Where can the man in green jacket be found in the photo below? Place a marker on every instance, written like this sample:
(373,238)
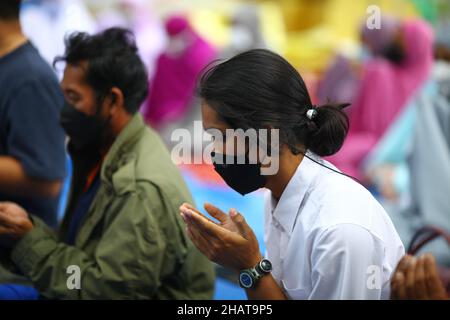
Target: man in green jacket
(121,237)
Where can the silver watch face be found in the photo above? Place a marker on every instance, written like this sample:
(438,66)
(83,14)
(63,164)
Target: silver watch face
(265,265)
(245,280)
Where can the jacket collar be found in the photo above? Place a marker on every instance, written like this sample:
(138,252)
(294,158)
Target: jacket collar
(118,167)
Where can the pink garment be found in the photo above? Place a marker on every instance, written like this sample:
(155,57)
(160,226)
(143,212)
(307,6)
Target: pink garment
(339,83)
(385,90)
(172,88)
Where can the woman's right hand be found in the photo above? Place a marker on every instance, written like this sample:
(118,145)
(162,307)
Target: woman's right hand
(229,242)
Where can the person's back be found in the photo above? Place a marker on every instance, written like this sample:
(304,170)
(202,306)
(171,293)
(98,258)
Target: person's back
(387,85)
(32,150)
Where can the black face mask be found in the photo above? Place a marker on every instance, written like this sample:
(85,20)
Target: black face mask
(394,52)
(242,177)
(86,133)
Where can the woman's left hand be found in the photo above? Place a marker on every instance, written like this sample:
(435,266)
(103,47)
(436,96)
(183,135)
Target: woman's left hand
(230,243)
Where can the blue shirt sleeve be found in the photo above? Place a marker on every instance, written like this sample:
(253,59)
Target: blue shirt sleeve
(34,135)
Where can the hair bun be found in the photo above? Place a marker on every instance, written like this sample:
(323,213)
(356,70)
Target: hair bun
(331,126)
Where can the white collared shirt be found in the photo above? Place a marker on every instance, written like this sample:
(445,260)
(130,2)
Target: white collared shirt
(328,238)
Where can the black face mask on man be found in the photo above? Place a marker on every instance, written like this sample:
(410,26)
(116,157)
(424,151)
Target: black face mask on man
(238,173)
(86,133)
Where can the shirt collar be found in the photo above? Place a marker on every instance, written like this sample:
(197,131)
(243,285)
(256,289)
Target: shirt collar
(285,212)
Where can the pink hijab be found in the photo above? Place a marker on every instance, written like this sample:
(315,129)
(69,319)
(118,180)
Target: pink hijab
(172,88)
(385,90)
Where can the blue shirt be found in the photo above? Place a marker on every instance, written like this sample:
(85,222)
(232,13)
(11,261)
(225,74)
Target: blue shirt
(81,209)
(30,102)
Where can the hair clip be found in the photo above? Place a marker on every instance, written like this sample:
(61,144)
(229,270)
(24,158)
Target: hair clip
(311,113)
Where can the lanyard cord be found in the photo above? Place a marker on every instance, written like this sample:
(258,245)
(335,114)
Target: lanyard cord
(341,173)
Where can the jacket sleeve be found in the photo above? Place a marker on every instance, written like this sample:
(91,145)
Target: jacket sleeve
(126,263)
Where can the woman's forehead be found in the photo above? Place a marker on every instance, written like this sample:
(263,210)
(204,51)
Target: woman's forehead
(211,119)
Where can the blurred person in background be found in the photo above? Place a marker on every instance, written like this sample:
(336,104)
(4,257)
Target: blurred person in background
(121,228)
(171,89)
(245,31)
(32,149)
(388,83)
(410,166)
(46,22)
(341,80)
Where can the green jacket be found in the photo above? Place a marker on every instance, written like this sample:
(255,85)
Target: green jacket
(132,243)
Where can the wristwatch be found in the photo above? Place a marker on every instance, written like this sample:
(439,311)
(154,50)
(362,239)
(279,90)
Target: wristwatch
(249,277)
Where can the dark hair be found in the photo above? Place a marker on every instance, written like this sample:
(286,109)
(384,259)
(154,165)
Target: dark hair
(259,89)
(9,9)
(113,61)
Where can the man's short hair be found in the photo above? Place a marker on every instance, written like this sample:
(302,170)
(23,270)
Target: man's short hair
(112,61)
